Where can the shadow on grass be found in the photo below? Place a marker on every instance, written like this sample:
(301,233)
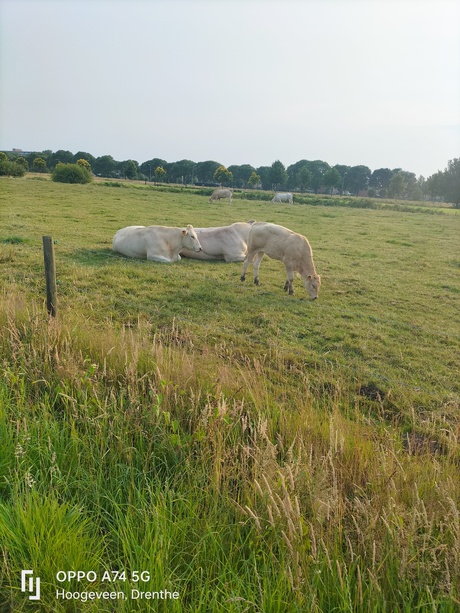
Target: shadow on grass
(95,257)
(103,257)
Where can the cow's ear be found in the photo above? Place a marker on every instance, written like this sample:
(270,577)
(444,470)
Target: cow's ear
(309,277)
(184,232)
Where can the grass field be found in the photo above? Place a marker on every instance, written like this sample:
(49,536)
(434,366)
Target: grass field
(250,450)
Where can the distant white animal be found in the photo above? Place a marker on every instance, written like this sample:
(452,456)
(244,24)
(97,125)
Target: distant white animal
(155,243)
(217,194)
(287,246)
(227,243)
(283,198)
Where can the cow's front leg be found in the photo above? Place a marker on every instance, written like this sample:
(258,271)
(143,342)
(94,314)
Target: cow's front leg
(288,285)
(154,257)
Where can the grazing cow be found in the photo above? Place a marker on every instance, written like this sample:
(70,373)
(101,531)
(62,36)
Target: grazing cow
(155,243)
(283,198)
(217,194)
(287,246)
(227,243)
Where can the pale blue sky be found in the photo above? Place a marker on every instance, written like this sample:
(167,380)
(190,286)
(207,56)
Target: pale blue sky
(374,82)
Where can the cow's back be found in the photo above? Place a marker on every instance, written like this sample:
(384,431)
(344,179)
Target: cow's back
(266,237)
(130,241)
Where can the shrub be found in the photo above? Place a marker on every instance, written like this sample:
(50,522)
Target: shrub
(11,169)
(71,173)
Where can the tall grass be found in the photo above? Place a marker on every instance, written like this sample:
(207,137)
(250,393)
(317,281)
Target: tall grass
(250,452)
(120,453)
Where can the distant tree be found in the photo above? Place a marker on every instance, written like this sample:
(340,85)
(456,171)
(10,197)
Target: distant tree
(264,174)
(82,155)
(332,179)
(416,191)
(65,157)
(304,177)
(39,165)
(278,175)
(293,173)
(254,180)
(342,169)
(223,176)
(433,185)
(130,169)
(180,172)
(318,169)
(410,181)
(241,174)
(84,164)
(380,180)
(343,172)
(104,166)
(3,157)
(159,174)
(446,184)
(204,171)
(70,173)
(397,185)
(452,182)
(22,162)
(147,168)
(358,178)
(30,157)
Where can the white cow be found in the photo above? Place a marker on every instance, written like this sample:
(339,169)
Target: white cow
(217,194)
(283,198)
(227,243)
(155,243)
(287,246)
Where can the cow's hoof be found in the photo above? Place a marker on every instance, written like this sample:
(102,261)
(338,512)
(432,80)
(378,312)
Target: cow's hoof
(256,281)
(243,277)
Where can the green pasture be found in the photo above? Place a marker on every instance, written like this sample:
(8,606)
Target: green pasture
(252,450)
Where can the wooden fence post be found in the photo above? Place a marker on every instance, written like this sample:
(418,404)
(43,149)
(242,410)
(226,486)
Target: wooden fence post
(50,275)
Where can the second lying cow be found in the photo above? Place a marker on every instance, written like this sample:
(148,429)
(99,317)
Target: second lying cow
(227,243)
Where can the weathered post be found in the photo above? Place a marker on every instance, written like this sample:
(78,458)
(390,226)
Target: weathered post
(50,275)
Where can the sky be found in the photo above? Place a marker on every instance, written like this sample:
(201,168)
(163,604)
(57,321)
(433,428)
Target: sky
(372,82)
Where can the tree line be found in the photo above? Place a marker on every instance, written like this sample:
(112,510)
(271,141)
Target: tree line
(304,176)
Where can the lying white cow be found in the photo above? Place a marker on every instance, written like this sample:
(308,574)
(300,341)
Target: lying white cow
(287,246)
(283,198)
(227,243)
(217,194)
(155,243)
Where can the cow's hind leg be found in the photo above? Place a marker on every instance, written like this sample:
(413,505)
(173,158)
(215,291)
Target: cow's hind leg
(257,261)
(248,259)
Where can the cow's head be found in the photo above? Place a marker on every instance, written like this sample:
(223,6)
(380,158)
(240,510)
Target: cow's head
(312,284)
(190,239)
